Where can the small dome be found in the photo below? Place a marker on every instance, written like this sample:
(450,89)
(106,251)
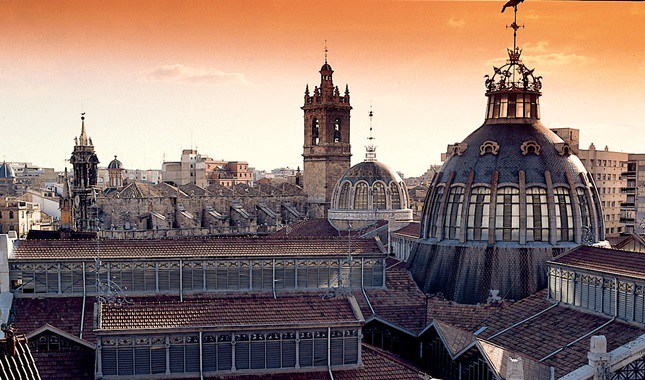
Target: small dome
(115,164)
(367,192)
(327,68)
(6,171)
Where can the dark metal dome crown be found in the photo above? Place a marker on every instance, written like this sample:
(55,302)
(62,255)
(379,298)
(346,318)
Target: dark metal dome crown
(513,76)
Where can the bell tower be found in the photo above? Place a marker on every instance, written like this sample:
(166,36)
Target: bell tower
(326,150)
(85,164)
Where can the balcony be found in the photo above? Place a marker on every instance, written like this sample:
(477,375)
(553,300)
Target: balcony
(627,204)
(628,173)
(627,220)
(628,189)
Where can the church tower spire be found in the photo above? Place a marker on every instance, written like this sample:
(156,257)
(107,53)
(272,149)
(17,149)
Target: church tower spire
(85,165)
(326,150)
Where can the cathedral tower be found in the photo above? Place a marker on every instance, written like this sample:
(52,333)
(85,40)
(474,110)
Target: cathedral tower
(84,162)
(327,151)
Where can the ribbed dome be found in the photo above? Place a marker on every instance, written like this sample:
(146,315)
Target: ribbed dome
(510,197)
(6,171)
(115,164)
(367,192)
(370,172)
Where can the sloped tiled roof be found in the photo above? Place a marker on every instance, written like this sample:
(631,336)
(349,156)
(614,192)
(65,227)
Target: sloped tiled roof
(455,338)
(66,365)
(612,261)
(193,190)
(191,247)
(21,365)
(322,227)
(411,230)
(532,327)
(556,328)
(63,313)
(236,310)
(498,358)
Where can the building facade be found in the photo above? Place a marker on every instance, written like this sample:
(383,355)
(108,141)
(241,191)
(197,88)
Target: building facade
(22,216)
(632,209)
(200,170)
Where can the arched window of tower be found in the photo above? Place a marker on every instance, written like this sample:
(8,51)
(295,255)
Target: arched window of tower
(337,130)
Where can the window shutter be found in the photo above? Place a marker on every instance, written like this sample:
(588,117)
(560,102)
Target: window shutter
(108,359)
(142,360)
(177,358)
(125,361)
(158,359)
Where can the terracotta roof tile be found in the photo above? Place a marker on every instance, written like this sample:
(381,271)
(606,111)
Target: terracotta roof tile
(61,312)
(322,228)
(558,327)
(19,366)
(613,261)
(191,247)
(412,230)
(65,365)
(238,310)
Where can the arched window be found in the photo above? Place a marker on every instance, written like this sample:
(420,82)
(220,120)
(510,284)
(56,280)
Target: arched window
(507,214)
(587,227)
(434,212)
(563,214)
(343,197)
(360,197)
(537,215)
(478,213)
(315,129)
(10,214)
(396,197)
(337,130)
(452,225)
(378,196)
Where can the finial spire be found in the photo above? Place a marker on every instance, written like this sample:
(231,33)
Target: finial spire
(83,139)
(326,51)
(514,26)
(370,154)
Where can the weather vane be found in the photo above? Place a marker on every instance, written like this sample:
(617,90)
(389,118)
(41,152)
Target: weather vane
(514,26)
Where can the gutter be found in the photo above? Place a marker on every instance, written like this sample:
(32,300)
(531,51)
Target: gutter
(331,375)
(80,334)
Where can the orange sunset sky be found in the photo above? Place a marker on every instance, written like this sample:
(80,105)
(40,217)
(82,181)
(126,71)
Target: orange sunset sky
(232,74)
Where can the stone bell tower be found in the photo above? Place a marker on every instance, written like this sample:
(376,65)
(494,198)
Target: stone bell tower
(85,164)
(327,151)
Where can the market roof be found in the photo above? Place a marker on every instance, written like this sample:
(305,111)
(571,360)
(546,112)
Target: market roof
(205,247)
(242,310)
(611,261)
